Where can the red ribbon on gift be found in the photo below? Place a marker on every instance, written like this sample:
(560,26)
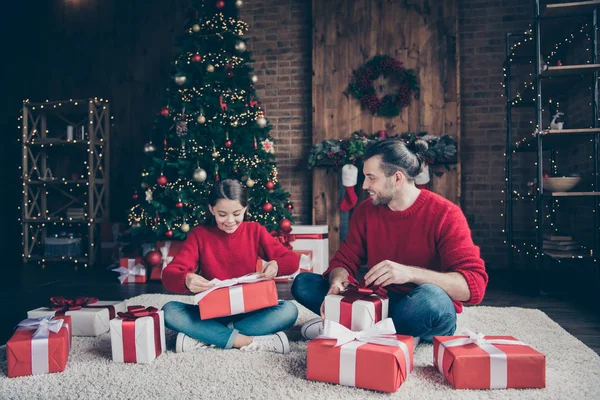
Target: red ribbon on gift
(359,291)
(61,305)
(286,238)
(129,317)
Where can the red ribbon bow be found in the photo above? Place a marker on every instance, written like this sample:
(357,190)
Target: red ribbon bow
(362,289)
(283,238)
(60,303)
(135,312)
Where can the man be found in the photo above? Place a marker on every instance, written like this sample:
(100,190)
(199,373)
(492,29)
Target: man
(414,242)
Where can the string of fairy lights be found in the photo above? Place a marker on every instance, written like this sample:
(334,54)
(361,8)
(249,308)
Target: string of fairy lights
(39,215)
(218,25)
(528,142)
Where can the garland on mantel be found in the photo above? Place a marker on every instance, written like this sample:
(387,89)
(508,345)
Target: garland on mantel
(338,152)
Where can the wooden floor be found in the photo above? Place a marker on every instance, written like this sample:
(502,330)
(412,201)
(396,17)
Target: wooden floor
(36,285)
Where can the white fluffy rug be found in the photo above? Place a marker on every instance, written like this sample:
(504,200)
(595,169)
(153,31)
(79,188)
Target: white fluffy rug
(572,368)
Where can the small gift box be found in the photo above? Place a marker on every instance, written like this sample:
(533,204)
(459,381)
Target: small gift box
(312,238)
(39,346)
(375,358)
(138,335)
(131,270)
(476,361)
(168,249)
(89,316)
(358,307)
(236,296)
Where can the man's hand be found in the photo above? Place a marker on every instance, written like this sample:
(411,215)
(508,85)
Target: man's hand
(269,270)
(389,273)
(337,285)
(196,284)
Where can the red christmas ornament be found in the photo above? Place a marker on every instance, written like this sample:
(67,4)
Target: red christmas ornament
(216,177)
(235,171)
(285,225)
(153,258)
(289,206)
(270,185)
(135,196)
(179,204)
(228,143)
(164,111)
(196,58)
(267,207)
(162,180)
(169,233)
(220,4)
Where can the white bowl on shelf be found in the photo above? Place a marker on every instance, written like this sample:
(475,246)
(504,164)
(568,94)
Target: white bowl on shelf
(561,184)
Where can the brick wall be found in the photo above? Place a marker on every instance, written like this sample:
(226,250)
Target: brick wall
(280,36)
(482,27)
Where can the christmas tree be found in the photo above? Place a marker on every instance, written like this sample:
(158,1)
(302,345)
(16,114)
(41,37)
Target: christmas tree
(210,127)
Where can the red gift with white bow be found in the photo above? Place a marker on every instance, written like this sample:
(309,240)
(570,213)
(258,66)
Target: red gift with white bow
(358,307)
(39,346)
(476,361)
(375,358)
(236,296)
(131,270)
(138,335)
(168,250)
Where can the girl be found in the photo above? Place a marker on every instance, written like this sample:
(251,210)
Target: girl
(228,247)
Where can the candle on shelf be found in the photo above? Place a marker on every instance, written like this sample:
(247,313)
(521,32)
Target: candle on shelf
(69,132)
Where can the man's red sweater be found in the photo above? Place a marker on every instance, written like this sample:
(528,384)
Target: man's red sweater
(432,233)
(218,254)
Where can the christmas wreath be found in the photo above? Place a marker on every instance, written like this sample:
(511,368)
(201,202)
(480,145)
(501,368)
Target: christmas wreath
(338,152)
(362,86)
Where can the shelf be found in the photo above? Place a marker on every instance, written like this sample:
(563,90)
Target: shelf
(57,142)
(571,194)
(58,259)
(57,182)
(569,9)
(565,254)
(553,138)
(65,220)
(568,70)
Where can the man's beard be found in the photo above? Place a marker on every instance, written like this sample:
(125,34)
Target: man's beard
(382,199)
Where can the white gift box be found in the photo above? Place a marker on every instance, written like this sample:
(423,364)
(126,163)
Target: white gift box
(357,315)
(144,339)
(86,321)
(313,238)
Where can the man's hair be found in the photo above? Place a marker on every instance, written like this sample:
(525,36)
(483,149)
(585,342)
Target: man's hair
(396,156)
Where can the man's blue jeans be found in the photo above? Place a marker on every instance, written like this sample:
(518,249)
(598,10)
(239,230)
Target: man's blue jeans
(221,332)
(426,311)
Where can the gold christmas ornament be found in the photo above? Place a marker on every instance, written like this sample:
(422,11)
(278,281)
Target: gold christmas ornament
(250,183)
(200,175)
(185,228)
(239,3)
(262,122)
(201,119)
(210,68)
(149,148)
(196,28)
(240,46)
(254,78)
(215,154)
(180,80)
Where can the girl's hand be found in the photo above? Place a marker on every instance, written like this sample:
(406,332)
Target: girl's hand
(269,270)
(196,284)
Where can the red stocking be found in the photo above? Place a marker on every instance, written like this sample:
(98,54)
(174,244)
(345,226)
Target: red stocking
(349,179)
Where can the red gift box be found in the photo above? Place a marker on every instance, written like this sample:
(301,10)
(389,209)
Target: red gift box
(39,346)
(168,249)
(488,362)
(237,296)
(380,362)
(131,270)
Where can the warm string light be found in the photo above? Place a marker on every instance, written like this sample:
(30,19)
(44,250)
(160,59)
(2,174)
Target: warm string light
(219,25)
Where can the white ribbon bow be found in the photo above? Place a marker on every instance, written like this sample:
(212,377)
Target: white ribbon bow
(498,358)
(131,271)
(164,251)
(305,262)
(43,326)
(218,284)
(382,333)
